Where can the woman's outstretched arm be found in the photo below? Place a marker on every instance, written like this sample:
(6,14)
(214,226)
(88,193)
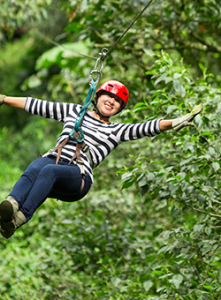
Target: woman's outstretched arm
(17,102)
(165,125)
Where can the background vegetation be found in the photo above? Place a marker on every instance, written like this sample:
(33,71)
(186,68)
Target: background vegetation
(150,227)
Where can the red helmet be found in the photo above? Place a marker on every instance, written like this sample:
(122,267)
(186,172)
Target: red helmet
(116,88)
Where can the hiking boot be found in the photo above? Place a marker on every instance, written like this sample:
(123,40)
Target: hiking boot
(8,228)
(10,218)
(8,209)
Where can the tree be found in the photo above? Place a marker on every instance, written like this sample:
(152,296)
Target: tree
(158,238)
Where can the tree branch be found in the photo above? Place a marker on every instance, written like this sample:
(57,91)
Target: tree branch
(199,210)
(215,201)
(209,46)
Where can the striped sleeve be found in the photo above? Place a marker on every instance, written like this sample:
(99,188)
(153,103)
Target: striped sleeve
(51,110)
(129,132)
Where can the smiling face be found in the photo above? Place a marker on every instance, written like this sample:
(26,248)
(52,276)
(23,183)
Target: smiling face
(108,105)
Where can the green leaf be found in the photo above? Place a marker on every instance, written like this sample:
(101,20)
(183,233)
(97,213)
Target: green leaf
(181,175)
(67,221)
(142,181)
(130,120)
(202,67)
(140,108)
(163,249)
(147,285)
(186,161)
(75,27)
(115,281)
(198,228)
(144,189)
(157,93)
(123,289)
(49,58)
(149,52)
(171,108)
(166,234)
(127,184)
(177,280)
(150,176)
(177,75)
(216,166)
(168,59)
(161,78)
(54,55)
(33,82)
(207,133)
(208,230)
(179,88)
(212,151)
(139,104)
(126,176)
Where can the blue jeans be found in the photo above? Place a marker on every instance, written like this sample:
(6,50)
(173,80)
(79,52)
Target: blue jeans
(43,179)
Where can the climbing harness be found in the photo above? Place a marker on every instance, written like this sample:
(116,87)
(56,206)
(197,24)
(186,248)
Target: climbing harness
(76,133)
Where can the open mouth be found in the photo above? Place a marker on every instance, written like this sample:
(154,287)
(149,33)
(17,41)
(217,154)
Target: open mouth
(108,107)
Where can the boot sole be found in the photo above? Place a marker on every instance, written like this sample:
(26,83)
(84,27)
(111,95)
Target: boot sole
(6,211)
(7,233)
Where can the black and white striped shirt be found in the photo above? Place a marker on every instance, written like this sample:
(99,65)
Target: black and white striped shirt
(101,137)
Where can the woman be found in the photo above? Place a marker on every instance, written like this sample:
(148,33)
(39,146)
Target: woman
(58,176)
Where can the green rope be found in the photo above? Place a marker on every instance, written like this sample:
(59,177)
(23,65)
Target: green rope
(90,96)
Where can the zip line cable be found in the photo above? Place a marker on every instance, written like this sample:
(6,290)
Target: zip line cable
(108,51)
(123,34)
(61,46)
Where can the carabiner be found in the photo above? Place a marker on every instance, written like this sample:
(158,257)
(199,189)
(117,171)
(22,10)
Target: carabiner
(98,77)
(101,58)
(103,54)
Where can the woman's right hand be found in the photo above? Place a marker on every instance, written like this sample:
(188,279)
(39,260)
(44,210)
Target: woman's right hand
(2,97)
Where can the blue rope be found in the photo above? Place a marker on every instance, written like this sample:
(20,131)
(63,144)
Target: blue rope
(90,96)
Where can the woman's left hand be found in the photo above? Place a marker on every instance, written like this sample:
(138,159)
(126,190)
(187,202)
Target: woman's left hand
(186,120)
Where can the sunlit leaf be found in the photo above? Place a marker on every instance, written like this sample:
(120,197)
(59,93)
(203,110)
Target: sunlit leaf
(147,285)
(177,280)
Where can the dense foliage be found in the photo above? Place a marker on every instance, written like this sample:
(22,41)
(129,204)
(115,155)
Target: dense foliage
(150,226)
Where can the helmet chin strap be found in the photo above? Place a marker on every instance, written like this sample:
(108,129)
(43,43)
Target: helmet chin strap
(98,112)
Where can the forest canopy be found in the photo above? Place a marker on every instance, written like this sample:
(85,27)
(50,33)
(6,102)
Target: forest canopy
(150,226)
